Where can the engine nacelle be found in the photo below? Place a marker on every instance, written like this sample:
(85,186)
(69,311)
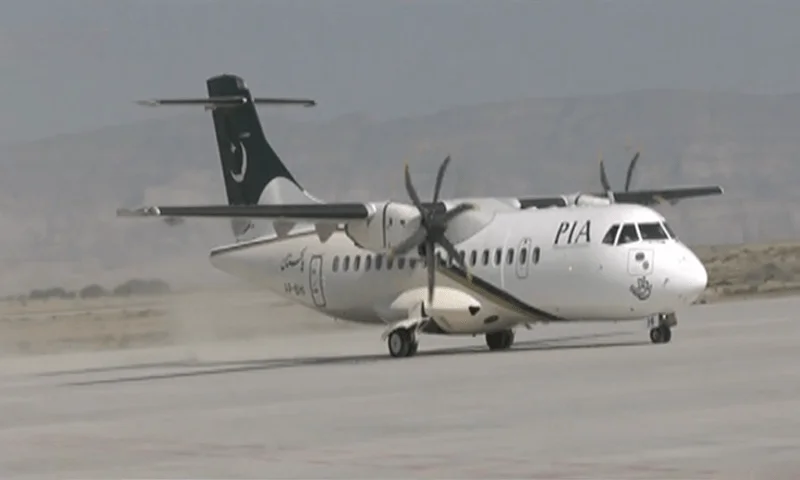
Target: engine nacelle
(583,199)
(391,223)
(394,222)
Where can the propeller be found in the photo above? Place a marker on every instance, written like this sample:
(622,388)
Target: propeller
(432,227)
(628,176)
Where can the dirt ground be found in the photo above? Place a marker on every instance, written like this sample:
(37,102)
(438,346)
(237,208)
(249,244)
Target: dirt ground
(736,271)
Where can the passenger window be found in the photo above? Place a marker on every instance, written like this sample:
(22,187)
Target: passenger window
(535,255)
(485,257)
(628,234)
(498,256)
(652,231)
(510,257)
(401,262)
(611,234)
(335,266)
(473,257)
(412,262)
(346,263)
(463,256)
(367,262)
(523,255)
(378,261)
(356,262)
(389,263)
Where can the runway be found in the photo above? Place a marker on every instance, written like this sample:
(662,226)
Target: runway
(590,401)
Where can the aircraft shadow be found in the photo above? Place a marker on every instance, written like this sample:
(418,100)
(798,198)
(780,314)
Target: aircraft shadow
(235,366)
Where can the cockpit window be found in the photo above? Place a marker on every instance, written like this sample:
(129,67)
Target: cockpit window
(652,231)
(669,231)
(628,234)
(611,235)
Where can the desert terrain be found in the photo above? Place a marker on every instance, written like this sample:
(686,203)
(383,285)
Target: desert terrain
(305,397)
(233,382)
(230,313)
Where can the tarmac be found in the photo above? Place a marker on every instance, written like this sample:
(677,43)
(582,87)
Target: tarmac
(722,400)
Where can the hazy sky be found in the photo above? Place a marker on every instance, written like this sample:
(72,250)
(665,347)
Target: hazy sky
(74,65)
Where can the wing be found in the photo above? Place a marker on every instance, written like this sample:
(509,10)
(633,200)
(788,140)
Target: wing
(542,202)
(641,197)
(670,195)
(317,213)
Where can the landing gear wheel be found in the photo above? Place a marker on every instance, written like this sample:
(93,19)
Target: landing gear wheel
(661,334)
(501,340)
(402,343)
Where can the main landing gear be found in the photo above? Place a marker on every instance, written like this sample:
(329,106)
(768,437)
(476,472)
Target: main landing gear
(403,343)
(662,329)
(501,340)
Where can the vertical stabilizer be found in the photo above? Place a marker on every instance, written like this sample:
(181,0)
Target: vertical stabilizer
(253,172)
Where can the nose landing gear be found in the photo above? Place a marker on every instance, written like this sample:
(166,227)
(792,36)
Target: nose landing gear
(661,327)
(660,334)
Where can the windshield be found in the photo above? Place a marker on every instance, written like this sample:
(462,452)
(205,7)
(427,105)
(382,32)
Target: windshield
(628,234)
(652,231)
(669,230)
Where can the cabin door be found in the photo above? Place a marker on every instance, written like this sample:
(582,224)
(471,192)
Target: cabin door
(523,257)
(315,283)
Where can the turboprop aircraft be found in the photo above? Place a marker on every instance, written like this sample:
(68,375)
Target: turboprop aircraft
(499,267)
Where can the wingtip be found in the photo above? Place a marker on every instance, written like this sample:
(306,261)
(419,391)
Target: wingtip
(138,212)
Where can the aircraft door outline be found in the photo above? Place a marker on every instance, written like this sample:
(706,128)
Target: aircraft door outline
(522,267)
(315,281)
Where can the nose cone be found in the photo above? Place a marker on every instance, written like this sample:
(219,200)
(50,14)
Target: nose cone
(693,278)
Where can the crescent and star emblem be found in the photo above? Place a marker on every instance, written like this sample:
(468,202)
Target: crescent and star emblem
(236,148)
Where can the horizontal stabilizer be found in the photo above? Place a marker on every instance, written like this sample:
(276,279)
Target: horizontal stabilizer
(325,212)
(227,101)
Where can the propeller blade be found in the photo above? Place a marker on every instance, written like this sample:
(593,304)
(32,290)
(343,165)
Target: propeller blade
(604,177)
(456,211)
(409,243)
(439,178)
(629,175)
(412,193)
(455,255)
(429,262)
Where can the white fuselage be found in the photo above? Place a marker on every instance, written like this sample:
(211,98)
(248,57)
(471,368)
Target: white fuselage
(567,269)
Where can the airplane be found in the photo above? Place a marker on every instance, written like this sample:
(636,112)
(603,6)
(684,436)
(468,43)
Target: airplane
(478,267)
